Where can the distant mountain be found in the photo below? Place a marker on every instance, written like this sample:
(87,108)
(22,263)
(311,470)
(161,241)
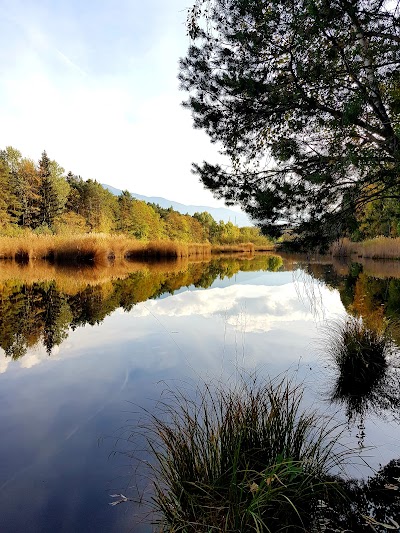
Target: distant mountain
(218,213)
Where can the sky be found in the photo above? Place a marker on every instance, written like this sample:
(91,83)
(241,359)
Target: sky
(94,83)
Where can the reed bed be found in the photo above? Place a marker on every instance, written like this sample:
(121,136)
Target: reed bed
(264,247)
(93,248)
(242,458)
(169,249)
(377,248)
(342,248)
(233,248)
(62,248)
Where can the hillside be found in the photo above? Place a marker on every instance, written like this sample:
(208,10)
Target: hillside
(218,213)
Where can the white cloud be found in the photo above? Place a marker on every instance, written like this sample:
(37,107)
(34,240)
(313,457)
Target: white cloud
(262,307)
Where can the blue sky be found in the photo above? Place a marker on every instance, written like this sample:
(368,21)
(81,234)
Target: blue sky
(94,82)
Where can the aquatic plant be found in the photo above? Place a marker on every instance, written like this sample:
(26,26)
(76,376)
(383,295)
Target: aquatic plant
(242,458)
(366,364)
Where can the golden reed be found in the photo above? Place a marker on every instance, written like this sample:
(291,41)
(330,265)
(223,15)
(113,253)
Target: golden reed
(377,248)
(93,248)
(233,248)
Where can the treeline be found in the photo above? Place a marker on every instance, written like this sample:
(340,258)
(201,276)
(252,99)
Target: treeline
(42,198)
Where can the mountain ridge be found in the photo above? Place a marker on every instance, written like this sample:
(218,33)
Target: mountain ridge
(218,213)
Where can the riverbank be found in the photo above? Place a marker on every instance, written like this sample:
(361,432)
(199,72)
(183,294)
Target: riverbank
(377,248)
(99,248)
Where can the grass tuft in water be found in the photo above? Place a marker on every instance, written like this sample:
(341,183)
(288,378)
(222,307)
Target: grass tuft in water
(246,458)
(366,364)
(365,361)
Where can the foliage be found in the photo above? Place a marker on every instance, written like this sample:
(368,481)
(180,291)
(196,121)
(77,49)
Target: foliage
(303,97)
(49,201)
(40,197)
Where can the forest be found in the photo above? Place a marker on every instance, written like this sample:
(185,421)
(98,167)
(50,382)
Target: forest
(43,199)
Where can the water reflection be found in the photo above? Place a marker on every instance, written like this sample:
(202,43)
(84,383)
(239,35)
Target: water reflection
(250,315)
(370,505)
(370,290)
(362,349)
(41,312)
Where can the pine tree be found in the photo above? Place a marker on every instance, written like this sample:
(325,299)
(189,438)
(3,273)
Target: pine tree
(303,98)
(49,205)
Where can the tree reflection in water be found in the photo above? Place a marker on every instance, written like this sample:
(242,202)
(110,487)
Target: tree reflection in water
(371,505)
(43,309)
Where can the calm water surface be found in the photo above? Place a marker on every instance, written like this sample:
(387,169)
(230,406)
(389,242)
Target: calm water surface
(81,349)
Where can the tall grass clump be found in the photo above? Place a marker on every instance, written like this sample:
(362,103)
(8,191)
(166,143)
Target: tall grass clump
(342,248)
(366,365)
(168,249)
(93,248)
(242,459)
(379,248)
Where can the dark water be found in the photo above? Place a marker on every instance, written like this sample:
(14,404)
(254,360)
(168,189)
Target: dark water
(82,349)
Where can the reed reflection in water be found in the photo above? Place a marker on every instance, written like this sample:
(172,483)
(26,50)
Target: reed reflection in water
(40,303)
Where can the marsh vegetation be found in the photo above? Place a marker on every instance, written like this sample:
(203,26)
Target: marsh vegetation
(249,456)
(242,458)
(367,367)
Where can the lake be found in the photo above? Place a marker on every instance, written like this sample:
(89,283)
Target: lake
(85,350)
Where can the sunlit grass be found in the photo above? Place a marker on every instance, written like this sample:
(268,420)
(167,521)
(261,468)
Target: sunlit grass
(267,247)
(172,249)
(93,248)
(233,248)
(377,248)
(245,458)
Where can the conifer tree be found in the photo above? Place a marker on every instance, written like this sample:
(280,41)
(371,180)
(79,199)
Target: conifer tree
(303,98)
(49,206)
